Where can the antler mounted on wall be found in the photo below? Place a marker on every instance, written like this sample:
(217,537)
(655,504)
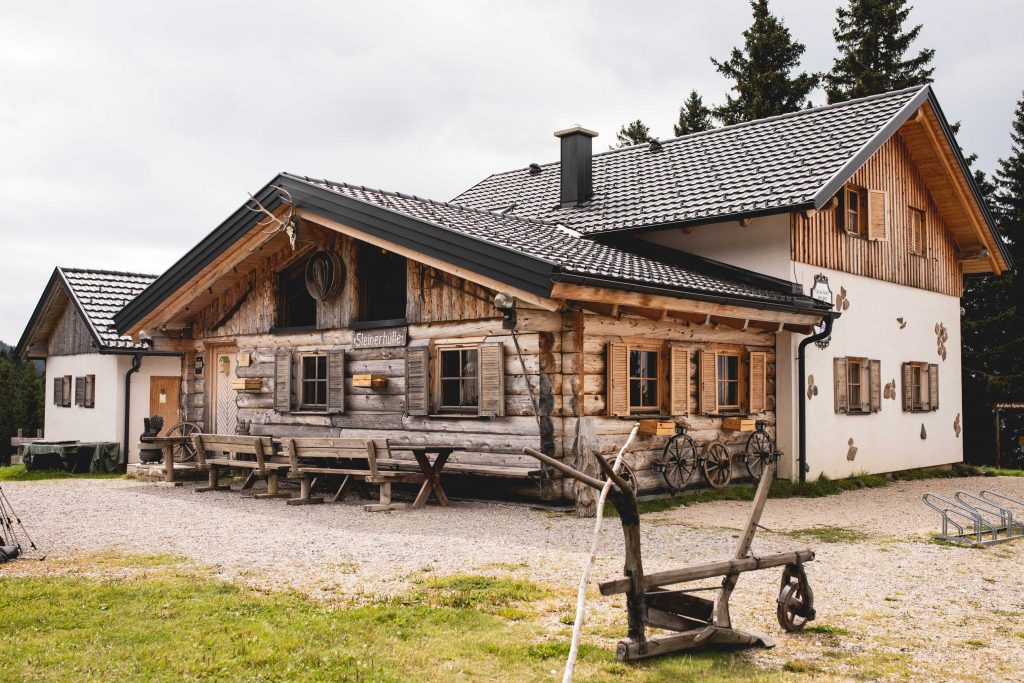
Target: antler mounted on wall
(287,224)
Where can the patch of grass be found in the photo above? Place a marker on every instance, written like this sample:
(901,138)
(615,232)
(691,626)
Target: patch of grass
(475,591)
(1001,472)
(827,630)
(829,534)
(19,473)
(170,625)
(975,643)
(800,666)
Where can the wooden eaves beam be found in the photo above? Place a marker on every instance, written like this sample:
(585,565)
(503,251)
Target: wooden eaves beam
(921,118)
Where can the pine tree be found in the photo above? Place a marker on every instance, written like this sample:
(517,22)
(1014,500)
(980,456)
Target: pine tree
(993,326)
(633,133)
(694,117)
(872,49)
(763,71)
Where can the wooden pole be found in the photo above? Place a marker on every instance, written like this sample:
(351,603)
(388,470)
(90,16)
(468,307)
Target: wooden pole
(997,436)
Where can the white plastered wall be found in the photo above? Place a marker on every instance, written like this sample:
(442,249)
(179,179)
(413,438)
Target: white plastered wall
(105,421)
(890,440)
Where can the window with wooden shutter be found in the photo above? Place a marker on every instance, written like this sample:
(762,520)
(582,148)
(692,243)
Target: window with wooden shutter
(875,382)
(283,381)
(80,391)
(492,379)
(679,380)
(335,382)
(758,382)
(915,228)
(618,379)
(878,217)
(417,380)
(58,391)
(708,382)
(66,392)
(933,386)
(840,385)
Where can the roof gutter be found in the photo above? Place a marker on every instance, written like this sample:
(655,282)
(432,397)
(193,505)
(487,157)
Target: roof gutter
(810,309)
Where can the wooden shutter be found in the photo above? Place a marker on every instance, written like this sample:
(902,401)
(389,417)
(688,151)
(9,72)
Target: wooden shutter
(417,380)
(283,381)
(908,388)
(875,380)
(618,379)
(916,226)
(58,391)
(758,382)
(66,392)
(80,391)
(708,382)
(491,373)
(335,381)
(933,386)
(878,221)
(679,380)
(840,388)
(90,391)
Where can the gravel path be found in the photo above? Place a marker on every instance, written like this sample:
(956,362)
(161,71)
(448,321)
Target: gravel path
(904,606)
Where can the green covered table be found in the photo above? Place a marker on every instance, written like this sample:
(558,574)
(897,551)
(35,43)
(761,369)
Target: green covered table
(73,456)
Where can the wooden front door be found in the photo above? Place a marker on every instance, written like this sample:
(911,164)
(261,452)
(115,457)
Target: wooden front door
(225,406)
(163,399)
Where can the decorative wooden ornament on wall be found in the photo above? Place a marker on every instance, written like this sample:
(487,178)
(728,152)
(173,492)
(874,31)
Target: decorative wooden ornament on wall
(941,337)
(851,452)
(902,322)
(889,391)
(924,433)
(956,425)
(325,274)
(842,300)
(812,388)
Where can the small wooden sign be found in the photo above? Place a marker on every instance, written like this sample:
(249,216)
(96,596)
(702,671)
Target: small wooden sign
(247,384)
(375,339)
(370,381)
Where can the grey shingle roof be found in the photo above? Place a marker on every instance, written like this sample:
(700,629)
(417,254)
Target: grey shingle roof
(569,252)
(769,164)
(101,294)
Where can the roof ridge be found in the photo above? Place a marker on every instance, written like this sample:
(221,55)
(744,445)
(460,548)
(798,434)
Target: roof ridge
(428,200)
(734,126)
(99,271)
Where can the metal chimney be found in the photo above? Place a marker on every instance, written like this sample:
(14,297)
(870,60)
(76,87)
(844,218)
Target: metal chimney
(577,177)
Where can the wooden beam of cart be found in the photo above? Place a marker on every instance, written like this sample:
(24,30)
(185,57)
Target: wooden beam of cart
(703,571)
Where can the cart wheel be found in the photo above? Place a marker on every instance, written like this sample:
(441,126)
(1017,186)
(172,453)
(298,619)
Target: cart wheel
(679,462)
(758,453)
(717,464)
(627,473)
(796,599)
(184,452)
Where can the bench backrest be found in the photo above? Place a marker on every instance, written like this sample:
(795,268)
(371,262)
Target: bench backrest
(260,448)
(297,449)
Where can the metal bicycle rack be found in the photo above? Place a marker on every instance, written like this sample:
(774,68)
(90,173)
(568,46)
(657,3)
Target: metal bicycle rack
(978,519)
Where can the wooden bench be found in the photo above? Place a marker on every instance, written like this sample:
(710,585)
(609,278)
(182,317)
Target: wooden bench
(354,460)
(253,453)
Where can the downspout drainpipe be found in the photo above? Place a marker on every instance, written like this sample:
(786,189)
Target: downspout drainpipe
(802,371)
(136,364)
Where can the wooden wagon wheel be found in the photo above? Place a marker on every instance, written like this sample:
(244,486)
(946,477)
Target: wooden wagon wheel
(758,453)
(679,461)
(186,451)
(796,600)
(717,464)
(627,473)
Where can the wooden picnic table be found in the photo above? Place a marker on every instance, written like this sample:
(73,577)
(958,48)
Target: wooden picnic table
(166,445)
(431,470)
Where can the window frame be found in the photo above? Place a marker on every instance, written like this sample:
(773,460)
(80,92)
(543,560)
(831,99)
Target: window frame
(657,377)
(438,364)
(302,381)
(922,249)
(861,229)
(67,391)
(862,383)
(738,406)
(921,402)
(90,392)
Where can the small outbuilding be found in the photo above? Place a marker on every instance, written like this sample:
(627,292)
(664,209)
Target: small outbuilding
(99,385)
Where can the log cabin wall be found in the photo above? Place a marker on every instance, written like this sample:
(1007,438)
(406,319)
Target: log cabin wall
(70,335)
(585,386)
(821,241)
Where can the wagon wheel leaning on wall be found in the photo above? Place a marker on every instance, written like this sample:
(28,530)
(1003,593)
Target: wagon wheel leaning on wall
(627,474)
(184,452)
(717,464)
(759,450)
(679,460)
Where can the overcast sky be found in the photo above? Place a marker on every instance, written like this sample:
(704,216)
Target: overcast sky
(128,131)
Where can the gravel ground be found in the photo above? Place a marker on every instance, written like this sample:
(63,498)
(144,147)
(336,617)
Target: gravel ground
(900,606)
